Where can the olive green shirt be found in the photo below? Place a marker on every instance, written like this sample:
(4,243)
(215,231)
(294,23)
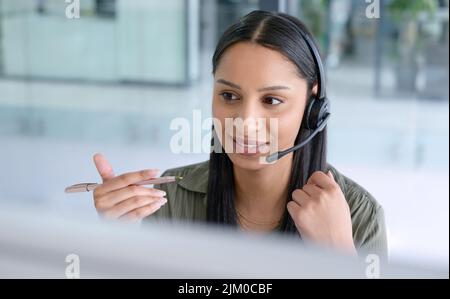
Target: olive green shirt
(186,201)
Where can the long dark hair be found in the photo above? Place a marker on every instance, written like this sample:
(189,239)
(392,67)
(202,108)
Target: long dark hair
(282,33)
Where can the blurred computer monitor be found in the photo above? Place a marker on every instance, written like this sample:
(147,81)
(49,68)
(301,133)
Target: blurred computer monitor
(38,244)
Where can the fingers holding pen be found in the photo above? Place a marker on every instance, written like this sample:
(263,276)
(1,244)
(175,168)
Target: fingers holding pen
(119,197)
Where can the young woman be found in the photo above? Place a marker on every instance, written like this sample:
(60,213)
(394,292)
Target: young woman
(263,68)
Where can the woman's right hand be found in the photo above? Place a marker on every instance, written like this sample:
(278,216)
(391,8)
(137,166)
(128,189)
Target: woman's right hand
(118,198)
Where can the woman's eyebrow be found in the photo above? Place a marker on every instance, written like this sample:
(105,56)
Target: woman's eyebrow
(276,87)
(234,85)
(231,84)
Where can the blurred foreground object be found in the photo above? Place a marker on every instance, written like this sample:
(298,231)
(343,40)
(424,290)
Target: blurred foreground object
(36,245)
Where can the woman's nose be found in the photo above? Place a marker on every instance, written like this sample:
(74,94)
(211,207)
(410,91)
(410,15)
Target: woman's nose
(251,114)
(250,110)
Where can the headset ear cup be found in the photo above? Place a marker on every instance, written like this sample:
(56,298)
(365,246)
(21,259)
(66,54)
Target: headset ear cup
(315,112)
(306,122)
(323,110)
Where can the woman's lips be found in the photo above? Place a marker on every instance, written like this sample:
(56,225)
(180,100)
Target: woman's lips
(249,147)
(248,142)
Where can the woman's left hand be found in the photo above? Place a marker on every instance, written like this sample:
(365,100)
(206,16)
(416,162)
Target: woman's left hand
(321,213)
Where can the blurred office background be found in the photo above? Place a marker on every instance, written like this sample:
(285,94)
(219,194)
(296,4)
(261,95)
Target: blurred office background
(112,80)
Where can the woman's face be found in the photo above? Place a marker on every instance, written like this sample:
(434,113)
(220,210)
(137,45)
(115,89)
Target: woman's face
(252,85)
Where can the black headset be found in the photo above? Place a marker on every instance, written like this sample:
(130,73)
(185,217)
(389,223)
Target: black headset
(317,111)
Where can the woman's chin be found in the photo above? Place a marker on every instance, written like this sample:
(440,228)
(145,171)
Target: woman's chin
(250,161)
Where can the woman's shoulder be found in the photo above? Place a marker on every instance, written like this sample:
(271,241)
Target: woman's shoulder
(354,193)
(194,176)
(187,169)
(369,231)
(186,199)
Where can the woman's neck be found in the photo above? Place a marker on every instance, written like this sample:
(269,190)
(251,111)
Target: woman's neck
(261,194)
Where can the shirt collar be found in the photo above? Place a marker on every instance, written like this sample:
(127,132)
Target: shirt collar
(197,179)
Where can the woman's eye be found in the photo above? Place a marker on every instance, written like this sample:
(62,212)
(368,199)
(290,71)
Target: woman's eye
(272,101)
(228,96)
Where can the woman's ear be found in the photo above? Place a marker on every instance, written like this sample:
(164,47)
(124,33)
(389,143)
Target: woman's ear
(314,89)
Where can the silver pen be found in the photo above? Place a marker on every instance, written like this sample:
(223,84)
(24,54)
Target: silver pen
(86,187)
